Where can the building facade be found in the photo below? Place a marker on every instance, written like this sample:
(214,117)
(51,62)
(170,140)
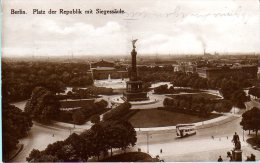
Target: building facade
(247,71)
(104,70)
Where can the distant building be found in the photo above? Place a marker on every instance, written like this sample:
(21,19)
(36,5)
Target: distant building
(104,70)
(102,63)
(248,71)
(184,67)
(202,72)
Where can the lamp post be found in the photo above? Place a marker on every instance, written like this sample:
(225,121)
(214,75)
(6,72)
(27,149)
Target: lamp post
(147,140)
(243,135)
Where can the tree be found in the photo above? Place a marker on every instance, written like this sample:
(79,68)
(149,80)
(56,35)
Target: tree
(226,106)
(115,134)
(78,117)
(37,156)
(117,112)
(239,97)
(162,89)
(97,136)
(95,119)
(101,104)
(167,102)
(251,120)
(16,124)
(254,91)
(43,105)
(92,142)
(20,78)
(73,149)
(78,144)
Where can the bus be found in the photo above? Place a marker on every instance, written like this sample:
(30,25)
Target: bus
(185,129)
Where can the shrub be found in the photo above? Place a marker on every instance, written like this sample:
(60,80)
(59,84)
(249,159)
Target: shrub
(78,117)
(95,119)
(117,112)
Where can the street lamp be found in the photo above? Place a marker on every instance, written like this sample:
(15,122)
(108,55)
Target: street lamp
(147,140)
(243,135)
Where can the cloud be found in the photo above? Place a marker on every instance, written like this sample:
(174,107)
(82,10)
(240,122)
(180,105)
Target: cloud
(165,44)
(97,35)
(77,38)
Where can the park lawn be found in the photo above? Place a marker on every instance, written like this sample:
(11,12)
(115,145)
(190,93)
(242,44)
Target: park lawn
(130,157)
(145,118)
(207,96)
(254,141)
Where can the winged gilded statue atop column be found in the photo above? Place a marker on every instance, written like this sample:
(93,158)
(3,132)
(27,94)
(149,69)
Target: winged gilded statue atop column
(133,42)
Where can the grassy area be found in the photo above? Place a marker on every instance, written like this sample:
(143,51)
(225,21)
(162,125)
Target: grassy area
(130,157)
(254,141)
(207,96)
(162,118)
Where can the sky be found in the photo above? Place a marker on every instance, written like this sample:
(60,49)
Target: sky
(161,27)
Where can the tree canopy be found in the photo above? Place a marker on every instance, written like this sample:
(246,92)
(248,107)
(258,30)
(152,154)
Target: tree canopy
(43,105)
(100,138)
(254,91)
(16,124)
(117,112)
(20,78)
(251,120)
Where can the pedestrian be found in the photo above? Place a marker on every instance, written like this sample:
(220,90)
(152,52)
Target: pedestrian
(52,135)
(220,159)
(252,157)
(212,137)
(227,137)
(161,151)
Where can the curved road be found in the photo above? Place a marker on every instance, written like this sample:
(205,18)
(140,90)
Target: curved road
(199,147)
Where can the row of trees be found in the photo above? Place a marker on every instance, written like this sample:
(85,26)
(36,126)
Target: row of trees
(80,115)
(198,106)
(44,106)
(20,78)
(193,80)
(98,140)
(16,125)
(230,88)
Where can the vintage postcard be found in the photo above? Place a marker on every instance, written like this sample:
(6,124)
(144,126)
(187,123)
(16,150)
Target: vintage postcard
(130,81)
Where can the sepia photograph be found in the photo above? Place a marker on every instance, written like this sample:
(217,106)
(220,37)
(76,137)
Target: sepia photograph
(130,81)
